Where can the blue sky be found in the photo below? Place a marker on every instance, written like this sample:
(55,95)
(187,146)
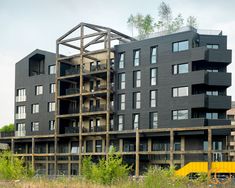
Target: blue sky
(26,25)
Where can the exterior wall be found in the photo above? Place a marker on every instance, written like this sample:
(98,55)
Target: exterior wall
(166,80)
(23,80)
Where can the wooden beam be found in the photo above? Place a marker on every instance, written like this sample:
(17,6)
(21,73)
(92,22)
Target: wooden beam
(182,148)
(171,148)
(137,157)
(209,154)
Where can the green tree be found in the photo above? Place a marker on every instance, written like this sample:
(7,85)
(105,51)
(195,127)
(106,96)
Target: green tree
(106,171)
(7,128)
(12,167)
(192,21)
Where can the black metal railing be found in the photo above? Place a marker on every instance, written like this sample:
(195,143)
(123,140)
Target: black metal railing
(101,128)
(94,108)
(71,71)
(71,130)
(71,91)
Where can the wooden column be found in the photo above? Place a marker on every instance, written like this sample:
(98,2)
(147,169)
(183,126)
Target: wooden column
(80,99)
(137,157)
(69,158)
(33,148)
(171,148)
(12,145)
(209,148)
(182,148)
(149,144)
(47,150)
(55,155)
(93,145)
(121,145)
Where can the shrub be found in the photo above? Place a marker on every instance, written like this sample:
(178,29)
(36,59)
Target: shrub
(106,171)
(12,167)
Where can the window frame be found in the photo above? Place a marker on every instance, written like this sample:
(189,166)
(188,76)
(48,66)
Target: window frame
(35,108)
(152,122)
(137,78)
(35,126)
(153,100)
(51,69)
(134,122)
(136,60)
(121,60)
(176,91)
(137,100)
(51,106)
(176,114)
(176,46)
(153,79)
(155,56)
(121,81)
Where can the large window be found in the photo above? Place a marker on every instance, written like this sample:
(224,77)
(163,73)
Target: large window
(212,46)
(154,55)
(38,90)
(20,112)
(20,129)
(35,126)
(153,120)
(136,120)
(136,58)
(137,100)
(52,125)
(179,114)
(52,69)
(153,76)
(122,80)
(180,46)
(180,91)
(153,98)
(52,88)
(180,68)
(137,78)
(212,115)
(120,122)
(121,62)
(122,101)
(35,108)
(21,95)
(51,106)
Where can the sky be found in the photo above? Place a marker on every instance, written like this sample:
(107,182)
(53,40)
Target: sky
(27,25)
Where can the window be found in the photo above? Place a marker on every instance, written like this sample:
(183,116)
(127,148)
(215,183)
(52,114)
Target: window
(213,93)
(137,78)
(52,88)
(122,80)
(180,68)
(51,106)
(153,76)
(212,115)
(137,100)
(153,120)
(21,95)
(20,112)
(120,122)
(38,90)
(212,46)
(20,129)
(52,69)
(153,55)
(35,126)
(122,102)
(35,108)
(98,146)
(136,58)
(136,120)
(179,114)
(52,125)
(153,98)
(180,46)
(121,63)
(180,91)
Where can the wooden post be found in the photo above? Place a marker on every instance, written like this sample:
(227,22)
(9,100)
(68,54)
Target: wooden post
(209,148)
(47,150)
(69,158)
(33,148)
(121,145)
(182,148)
(137,157)
(171,148)
(149,144)
(12,145)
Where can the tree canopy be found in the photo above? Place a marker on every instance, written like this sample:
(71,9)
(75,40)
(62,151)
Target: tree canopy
(145,24)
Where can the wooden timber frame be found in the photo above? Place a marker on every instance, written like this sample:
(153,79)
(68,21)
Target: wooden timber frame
(95,35)
(138,133)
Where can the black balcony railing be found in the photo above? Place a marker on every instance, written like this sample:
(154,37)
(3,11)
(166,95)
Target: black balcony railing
(71,91)
(100,87)
(73,110)
(94,108)
(98,68)
(72,71)
(7,134)
(101,128)
(71,130)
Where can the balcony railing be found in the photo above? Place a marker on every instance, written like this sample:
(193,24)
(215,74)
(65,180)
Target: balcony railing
(7,134)
(101,128)
(71,71)
(21,116)
(98,68)
(71,91)
(21,98)
(94,108)
(71,130)
(20,133)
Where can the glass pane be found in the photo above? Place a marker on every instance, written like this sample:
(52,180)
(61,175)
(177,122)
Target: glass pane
(175,93)
(183,91)
(183,114)
(175,47)
(183,45)
(183,68)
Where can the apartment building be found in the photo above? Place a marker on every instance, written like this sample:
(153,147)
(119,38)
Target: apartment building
(159,101)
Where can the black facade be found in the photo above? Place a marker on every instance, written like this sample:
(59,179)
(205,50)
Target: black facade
(31,72)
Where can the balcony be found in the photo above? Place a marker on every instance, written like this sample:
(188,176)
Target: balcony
(210,78)
(7,134)
(98,68)
(212,102)
(211,55)
(21,116)
(21,98)
(72,91)
(20,133)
